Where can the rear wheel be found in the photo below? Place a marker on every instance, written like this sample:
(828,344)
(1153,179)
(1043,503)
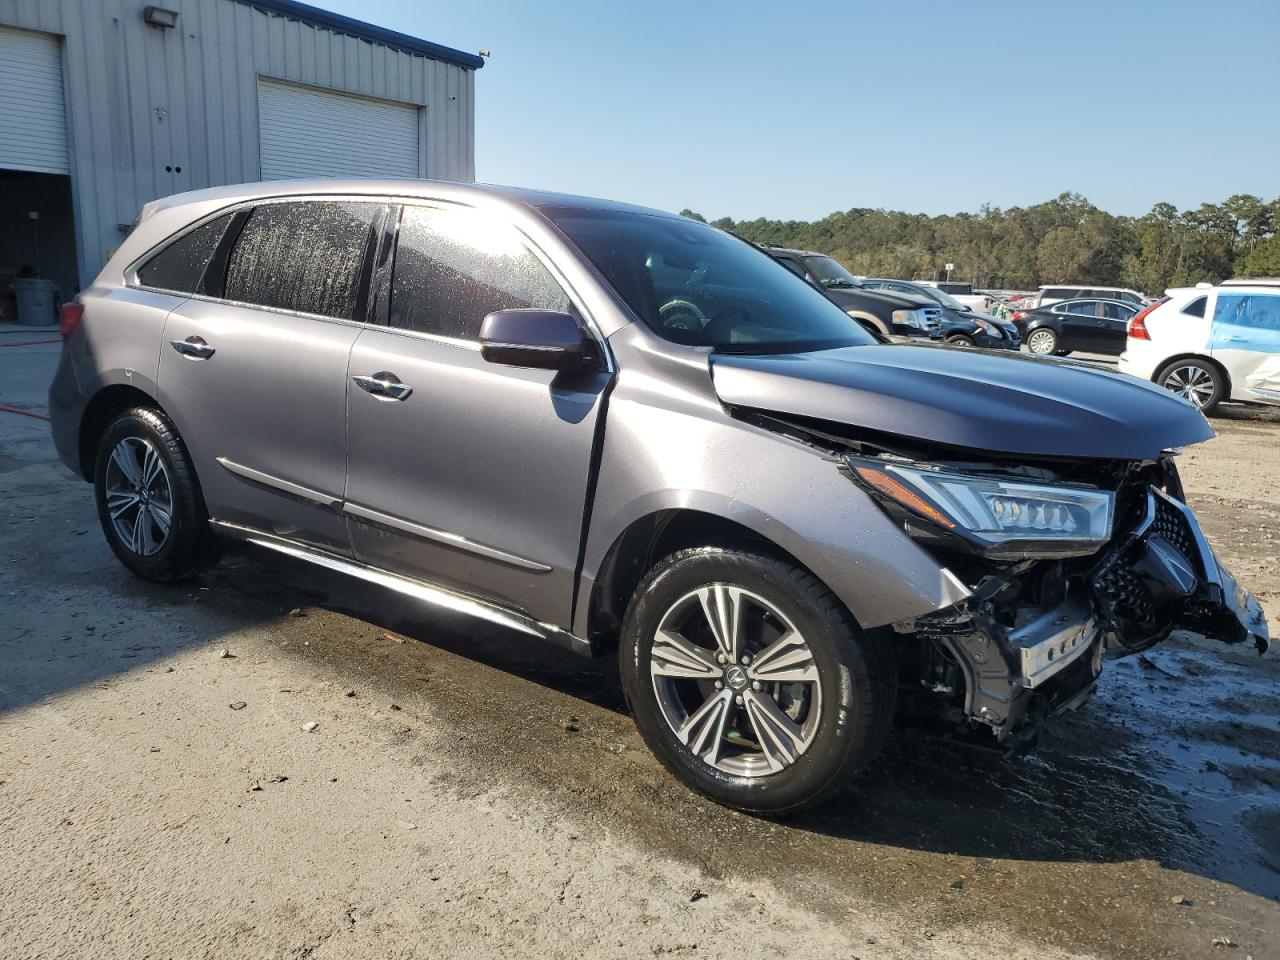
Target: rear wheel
(1043,342)
(750,682)
(1197,381)
(149,502)
(960,341)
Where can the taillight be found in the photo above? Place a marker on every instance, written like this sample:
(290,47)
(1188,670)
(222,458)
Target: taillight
(1018,315)
(1137,329)
(69,315)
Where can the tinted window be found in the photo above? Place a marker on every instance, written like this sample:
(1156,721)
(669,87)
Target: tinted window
(1084,307)
(1056,293)
(1117,311)
(304,256)
(455,266)
(1196,307)
(696,285)
(180,266)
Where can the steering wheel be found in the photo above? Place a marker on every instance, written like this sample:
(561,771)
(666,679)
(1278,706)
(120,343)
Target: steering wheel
(713,330)
(681,316)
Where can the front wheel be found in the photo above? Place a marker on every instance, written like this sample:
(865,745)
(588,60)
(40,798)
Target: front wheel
(1197,381)
(751,682)
(149,502)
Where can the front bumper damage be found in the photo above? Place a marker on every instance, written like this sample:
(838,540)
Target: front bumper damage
(1044,659)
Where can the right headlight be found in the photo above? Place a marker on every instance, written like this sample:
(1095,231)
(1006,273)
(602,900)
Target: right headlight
(910,318)
(997,517)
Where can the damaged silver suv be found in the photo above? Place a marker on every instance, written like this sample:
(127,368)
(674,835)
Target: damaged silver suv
(617,429)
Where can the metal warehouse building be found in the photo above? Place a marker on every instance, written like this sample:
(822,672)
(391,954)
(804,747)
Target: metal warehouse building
(107,104)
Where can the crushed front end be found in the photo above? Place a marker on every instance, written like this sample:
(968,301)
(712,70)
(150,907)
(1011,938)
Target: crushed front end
(1031,640)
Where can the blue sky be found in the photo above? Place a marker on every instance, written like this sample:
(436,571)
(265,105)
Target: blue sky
(795,110)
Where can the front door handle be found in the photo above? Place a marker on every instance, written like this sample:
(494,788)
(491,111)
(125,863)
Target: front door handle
(383,386)
(193,348)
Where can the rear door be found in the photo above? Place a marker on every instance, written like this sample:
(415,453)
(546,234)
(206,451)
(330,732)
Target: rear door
(467,473)
(1245,338)
(254,369)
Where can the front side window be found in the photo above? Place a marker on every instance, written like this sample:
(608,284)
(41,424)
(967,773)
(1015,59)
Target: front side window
(453,267)
(180,266)
(304,256)
(1256,314)
(693,284)
(1115,310)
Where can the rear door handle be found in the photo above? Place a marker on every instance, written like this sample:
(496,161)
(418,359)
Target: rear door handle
(383,386)
(194,348)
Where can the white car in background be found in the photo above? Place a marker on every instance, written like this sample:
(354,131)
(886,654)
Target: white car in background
(1208,344)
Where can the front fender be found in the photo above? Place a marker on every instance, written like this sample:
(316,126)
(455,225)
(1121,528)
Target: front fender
(670,445)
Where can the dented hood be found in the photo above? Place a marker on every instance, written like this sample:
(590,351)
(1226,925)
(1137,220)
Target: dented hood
(985,400)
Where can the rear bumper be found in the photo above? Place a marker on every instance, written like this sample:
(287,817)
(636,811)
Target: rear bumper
(66,406)
(1160,576)
(1141,358)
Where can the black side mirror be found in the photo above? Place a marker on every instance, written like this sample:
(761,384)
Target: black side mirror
(542,339)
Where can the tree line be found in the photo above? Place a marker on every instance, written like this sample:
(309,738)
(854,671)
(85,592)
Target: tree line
(1066,240)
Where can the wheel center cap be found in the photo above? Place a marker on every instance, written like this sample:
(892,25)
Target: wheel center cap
(736,678)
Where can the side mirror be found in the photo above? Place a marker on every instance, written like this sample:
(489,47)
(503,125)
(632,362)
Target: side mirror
(542,339)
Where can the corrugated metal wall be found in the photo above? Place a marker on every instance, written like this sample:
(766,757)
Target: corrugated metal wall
(154,112)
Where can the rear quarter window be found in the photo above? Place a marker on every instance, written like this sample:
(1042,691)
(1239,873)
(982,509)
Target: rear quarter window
(1196,307)
(180,266)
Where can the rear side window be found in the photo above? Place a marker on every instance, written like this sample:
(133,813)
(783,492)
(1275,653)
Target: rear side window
(180,266)
(453,267)
(1196,307)
(1056,293)
(306,257)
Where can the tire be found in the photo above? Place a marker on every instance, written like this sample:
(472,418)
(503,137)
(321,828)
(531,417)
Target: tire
(960,341)
(1198,381)
(1042,341)
(842,713)
(143,469)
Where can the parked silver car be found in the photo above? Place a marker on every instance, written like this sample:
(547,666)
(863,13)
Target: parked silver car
(619,429)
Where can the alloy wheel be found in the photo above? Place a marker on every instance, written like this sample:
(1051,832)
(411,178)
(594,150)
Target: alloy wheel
(1042,342)
(1191,382)
(139,496)
(735,681)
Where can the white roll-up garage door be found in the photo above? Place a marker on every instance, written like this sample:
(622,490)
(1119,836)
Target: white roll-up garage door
(33,117)
(308,132)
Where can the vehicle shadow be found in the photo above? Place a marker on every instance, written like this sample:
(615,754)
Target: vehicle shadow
(1126,778)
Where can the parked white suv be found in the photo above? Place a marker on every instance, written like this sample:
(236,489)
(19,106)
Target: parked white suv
(963,292)
(1210,344)
(1052,294)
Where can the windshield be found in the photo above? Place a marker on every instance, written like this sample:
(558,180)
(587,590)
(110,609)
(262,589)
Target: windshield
(693,284)
(830,273)
(942,297)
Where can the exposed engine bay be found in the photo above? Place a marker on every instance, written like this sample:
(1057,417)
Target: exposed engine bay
(1046,608)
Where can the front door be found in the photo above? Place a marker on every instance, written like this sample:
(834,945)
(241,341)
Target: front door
(1113,326)
(255,372)
(1245,339)
(463,472)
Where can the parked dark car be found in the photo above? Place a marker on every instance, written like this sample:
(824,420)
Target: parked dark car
(1092,325)
(888,314)
(961,326)
(621,431)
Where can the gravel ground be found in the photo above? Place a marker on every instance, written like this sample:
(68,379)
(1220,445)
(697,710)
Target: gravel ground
(469,793)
